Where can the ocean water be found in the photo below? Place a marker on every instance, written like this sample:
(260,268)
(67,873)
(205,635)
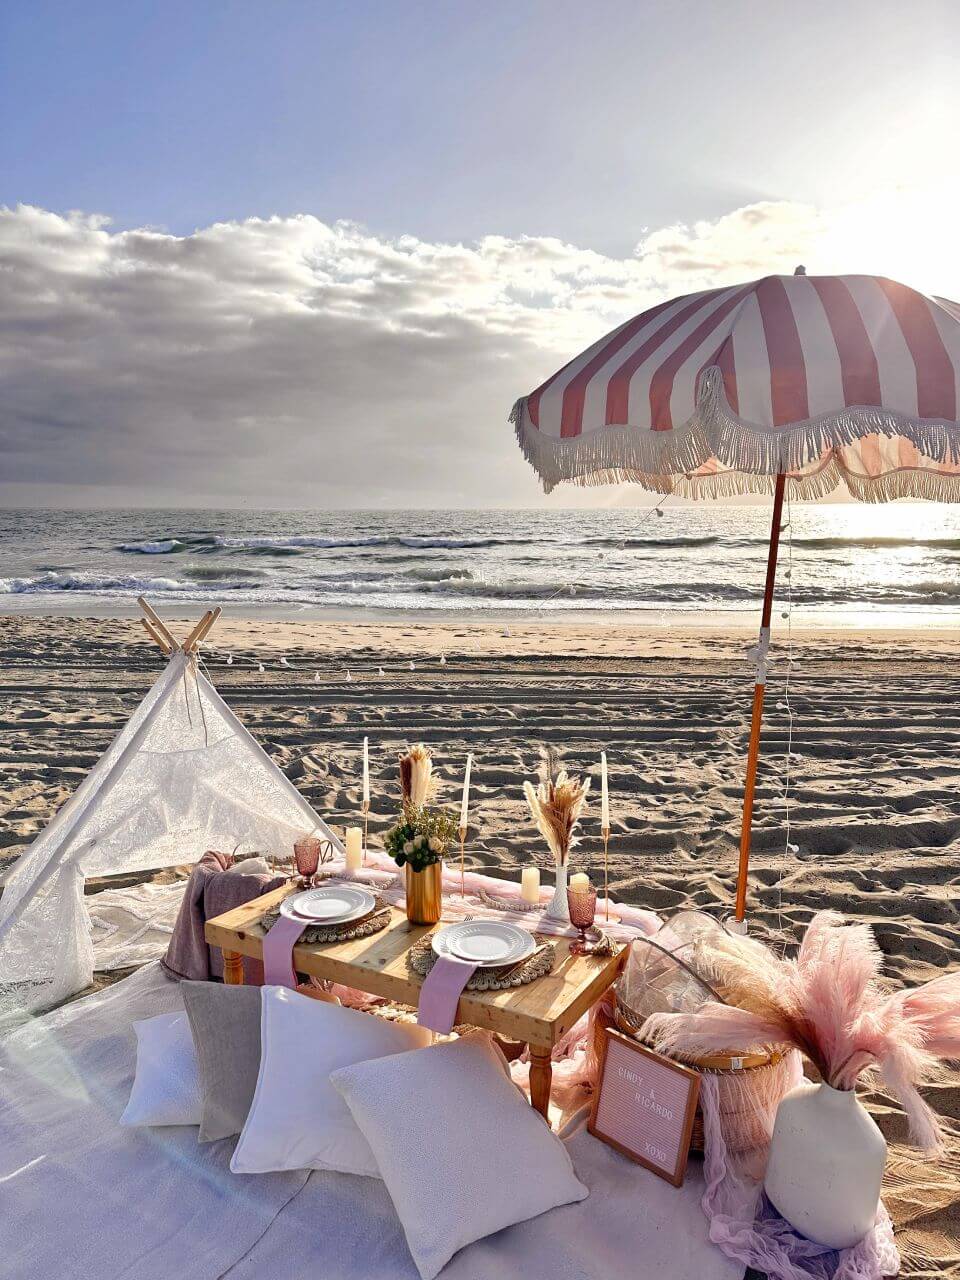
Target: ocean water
(900,560)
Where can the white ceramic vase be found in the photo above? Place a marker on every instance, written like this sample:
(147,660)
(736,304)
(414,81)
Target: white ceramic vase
(826,1164)
(559,908)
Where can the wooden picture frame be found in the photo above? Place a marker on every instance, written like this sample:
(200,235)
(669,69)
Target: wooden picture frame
(652,1133)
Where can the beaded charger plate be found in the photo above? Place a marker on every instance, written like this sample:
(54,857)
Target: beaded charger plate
(421,959)
(345,932)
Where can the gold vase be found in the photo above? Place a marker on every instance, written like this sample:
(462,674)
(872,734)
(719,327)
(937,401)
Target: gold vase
(424,893)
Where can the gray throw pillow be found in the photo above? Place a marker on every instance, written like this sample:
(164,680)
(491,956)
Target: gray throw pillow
(225,1021)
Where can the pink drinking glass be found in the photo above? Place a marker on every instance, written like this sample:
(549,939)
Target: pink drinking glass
(583,907)
(307,854)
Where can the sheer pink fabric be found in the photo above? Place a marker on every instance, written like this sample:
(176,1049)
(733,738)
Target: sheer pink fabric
(746,1226)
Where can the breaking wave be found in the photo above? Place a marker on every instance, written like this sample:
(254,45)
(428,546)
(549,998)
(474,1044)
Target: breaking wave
(105,585)
(162,548)
(426,542)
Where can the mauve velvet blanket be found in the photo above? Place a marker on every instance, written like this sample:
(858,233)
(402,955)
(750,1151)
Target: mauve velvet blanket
(212,890)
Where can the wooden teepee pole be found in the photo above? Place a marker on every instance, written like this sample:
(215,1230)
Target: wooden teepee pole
(758,692)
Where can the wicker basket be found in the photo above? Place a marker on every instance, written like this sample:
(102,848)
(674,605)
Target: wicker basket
(748,1121)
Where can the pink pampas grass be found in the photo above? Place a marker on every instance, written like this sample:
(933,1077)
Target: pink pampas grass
(828,1003)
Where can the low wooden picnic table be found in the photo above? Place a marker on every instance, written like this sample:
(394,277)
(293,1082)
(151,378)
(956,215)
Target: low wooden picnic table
(536,1014)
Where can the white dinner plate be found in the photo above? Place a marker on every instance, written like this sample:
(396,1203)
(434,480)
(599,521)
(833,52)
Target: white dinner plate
(485,943)
(330,904)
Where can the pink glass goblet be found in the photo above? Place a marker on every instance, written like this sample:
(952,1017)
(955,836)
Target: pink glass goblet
(583,907)
(307,854)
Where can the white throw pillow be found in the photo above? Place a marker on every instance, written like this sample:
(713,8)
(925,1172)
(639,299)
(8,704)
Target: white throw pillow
(462,1152)
(297,1119)
(250,867)
(166,1088)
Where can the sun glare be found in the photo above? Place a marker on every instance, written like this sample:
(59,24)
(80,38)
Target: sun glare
(900,233)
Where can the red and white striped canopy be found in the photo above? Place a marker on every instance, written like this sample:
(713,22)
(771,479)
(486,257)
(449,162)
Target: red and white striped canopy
(824,378)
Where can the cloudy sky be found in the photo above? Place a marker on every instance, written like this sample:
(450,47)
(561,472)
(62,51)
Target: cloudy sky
(309,253)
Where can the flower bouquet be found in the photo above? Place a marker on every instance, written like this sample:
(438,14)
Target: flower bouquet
(419,839)
(556,808)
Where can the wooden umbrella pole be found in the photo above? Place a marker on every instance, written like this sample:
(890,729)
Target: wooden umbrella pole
(758,692)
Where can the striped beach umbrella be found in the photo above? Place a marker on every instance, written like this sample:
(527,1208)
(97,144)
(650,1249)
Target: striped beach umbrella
(806,381)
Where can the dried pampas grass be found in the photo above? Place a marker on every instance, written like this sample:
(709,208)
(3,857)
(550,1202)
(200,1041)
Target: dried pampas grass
(556,808)
(417,780)
(828,1003)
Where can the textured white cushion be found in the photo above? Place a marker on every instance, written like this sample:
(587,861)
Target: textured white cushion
(250,867)
(297,1119)
(166,1088)
(462,1152)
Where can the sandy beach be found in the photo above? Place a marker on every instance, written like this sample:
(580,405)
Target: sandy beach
(874,807)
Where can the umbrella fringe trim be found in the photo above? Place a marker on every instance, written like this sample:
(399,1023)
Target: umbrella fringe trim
(752,455)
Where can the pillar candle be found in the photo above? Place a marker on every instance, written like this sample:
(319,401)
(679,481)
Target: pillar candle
(530,884)
(604,794)
(465,802)
(366,773)
(354,848)
(580,883)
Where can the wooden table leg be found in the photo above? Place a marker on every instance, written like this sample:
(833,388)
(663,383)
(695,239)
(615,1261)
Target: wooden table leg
(233,968)
(541,1079)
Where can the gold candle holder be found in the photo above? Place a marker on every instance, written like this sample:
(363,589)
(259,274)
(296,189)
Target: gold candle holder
(366,818)
(463,841)
(606,879)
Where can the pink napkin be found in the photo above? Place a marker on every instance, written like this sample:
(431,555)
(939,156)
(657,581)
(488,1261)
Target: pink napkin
(441,991)
(278,946)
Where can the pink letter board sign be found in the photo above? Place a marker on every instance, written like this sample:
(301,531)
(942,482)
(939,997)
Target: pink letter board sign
(645,1106)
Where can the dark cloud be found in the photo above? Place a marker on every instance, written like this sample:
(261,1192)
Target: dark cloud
(290,362)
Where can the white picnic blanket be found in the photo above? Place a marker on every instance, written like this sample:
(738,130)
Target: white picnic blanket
(83,1198)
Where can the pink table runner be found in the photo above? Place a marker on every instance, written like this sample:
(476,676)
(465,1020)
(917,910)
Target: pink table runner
(380,872)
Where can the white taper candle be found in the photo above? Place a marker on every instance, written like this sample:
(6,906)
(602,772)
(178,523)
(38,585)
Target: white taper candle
(366,772)
(465,802)
(604,794)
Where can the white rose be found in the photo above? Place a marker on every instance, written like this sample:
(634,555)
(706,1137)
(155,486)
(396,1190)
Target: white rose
(435,845)
(419,842)
(408,847)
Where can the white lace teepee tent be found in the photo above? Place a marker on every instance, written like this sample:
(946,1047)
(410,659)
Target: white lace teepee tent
(182,776)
